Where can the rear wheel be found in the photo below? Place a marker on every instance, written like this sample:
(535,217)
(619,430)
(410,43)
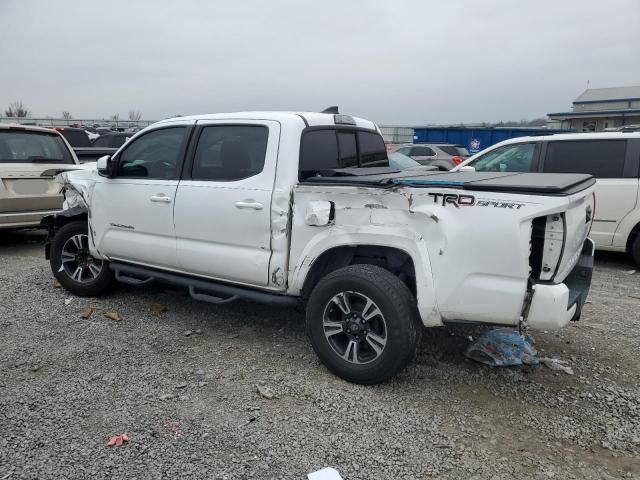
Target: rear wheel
(72,264)
(635,249)
(363,323)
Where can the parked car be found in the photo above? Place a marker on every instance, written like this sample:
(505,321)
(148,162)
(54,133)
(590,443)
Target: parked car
(612,158)
(92,154)
(284,208)
(77,137)
(445,156)
(30,157)
(399,161)
(112,140)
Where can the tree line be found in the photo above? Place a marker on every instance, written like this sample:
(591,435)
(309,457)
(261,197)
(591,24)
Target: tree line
(18,109)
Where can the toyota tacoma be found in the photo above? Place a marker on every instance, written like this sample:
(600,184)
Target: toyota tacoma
(303,209)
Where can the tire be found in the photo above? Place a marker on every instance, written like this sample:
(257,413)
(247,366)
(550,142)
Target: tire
(94,276)
(342,331)
(635,249)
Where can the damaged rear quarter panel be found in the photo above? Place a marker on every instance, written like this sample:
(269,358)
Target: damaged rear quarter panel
(471,261)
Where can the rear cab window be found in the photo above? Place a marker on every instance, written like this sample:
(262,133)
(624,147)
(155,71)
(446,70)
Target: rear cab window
(600,158)
(24,146)
(323,150)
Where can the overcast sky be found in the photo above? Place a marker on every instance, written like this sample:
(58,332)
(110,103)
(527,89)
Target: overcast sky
(394,61)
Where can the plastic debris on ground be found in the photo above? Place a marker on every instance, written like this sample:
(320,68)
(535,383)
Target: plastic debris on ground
(325,474)
(118,440)
(555,364)
(505,347)
(265,391)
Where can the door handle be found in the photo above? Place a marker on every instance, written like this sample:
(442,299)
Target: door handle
(249,204)
(161,198)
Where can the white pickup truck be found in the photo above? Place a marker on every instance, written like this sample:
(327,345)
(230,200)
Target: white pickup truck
(302,208)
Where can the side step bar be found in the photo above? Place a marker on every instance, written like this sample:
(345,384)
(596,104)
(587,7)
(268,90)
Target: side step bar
(203,290)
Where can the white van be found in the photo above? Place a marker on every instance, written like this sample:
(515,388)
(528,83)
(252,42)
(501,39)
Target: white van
(613,158)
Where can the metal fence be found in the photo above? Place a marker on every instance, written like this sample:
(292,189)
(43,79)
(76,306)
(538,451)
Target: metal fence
(397,134)
(87,122)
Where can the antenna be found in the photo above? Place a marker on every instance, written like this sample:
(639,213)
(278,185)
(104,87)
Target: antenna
(333,109)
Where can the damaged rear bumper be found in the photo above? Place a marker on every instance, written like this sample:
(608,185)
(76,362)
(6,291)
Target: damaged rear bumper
(555,305)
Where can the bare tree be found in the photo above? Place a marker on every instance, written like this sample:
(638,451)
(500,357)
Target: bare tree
(115,118)
(135,115)
(17,109)
(66,115)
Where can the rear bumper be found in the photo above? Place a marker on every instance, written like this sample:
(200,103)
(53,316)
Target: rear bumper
(24,219)
(555,305)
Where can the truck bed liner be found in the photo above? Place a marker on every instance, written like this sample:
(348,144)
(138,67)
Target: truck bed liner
(530,183)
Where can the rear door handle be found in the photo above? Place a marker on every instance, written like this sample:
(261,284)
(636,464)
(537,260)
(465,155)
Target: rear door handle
(249,204)
(161,198)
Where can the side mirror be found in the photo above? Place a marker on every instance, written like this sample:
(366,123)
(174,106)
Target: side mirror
(104,165)
(467,168)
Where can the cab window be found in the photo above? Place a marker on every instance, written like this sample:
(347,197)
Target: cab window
(230,152)
(329,149)
(155,155)
(510,158)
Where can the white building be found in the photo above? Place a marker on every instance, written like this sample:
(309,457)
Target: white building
(598,109)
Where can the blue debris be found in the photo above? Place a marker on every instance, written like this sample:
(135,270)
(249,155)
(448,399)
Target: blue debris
(503,347)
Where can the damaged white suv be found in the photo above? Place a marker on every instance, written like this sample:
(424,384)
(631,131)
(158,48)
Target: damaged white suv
(302,208)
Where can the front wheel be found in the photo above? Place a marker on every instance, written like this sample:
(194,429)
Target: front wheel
(363,323)
(72,264)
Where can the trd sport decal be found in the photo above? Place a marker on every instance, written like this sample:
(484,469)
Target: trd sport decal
(470,201)
(453,199)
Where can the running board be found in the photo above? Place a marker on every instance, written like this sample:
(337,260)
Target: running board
(202,290)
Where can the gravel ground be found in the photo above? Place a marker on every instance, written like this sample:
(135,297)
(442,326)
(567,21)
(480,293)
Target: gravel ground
(181,384)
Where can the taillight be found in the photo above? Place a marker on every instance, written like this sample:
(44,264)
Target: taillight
(547,240)
(457,160)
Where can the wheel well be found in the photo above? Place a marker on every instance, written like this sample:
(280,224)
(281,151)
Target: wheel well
(55,222)
(392,259)
(635,231)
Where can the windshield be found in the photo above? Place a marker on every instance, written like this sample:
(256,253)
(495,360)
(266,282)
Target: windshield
(510,158)
(398,161)
(32,147)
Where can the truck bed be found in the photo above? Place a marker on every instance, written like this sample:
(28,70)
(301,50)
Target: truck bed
(529,183)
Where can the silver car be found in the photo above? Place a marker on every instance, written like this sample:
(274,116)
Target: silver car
(29,159)
(445,156)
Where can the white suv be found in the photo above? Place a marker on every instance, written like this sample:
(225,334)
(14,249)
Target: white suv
(613,158)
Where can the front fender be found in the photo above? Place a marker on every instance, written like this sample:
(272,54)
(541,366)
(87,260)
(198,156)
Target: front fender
(53,222)
(405,239)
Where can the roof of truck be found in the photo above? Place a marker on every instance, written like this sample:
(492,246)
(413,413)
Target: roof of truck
(308,118)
